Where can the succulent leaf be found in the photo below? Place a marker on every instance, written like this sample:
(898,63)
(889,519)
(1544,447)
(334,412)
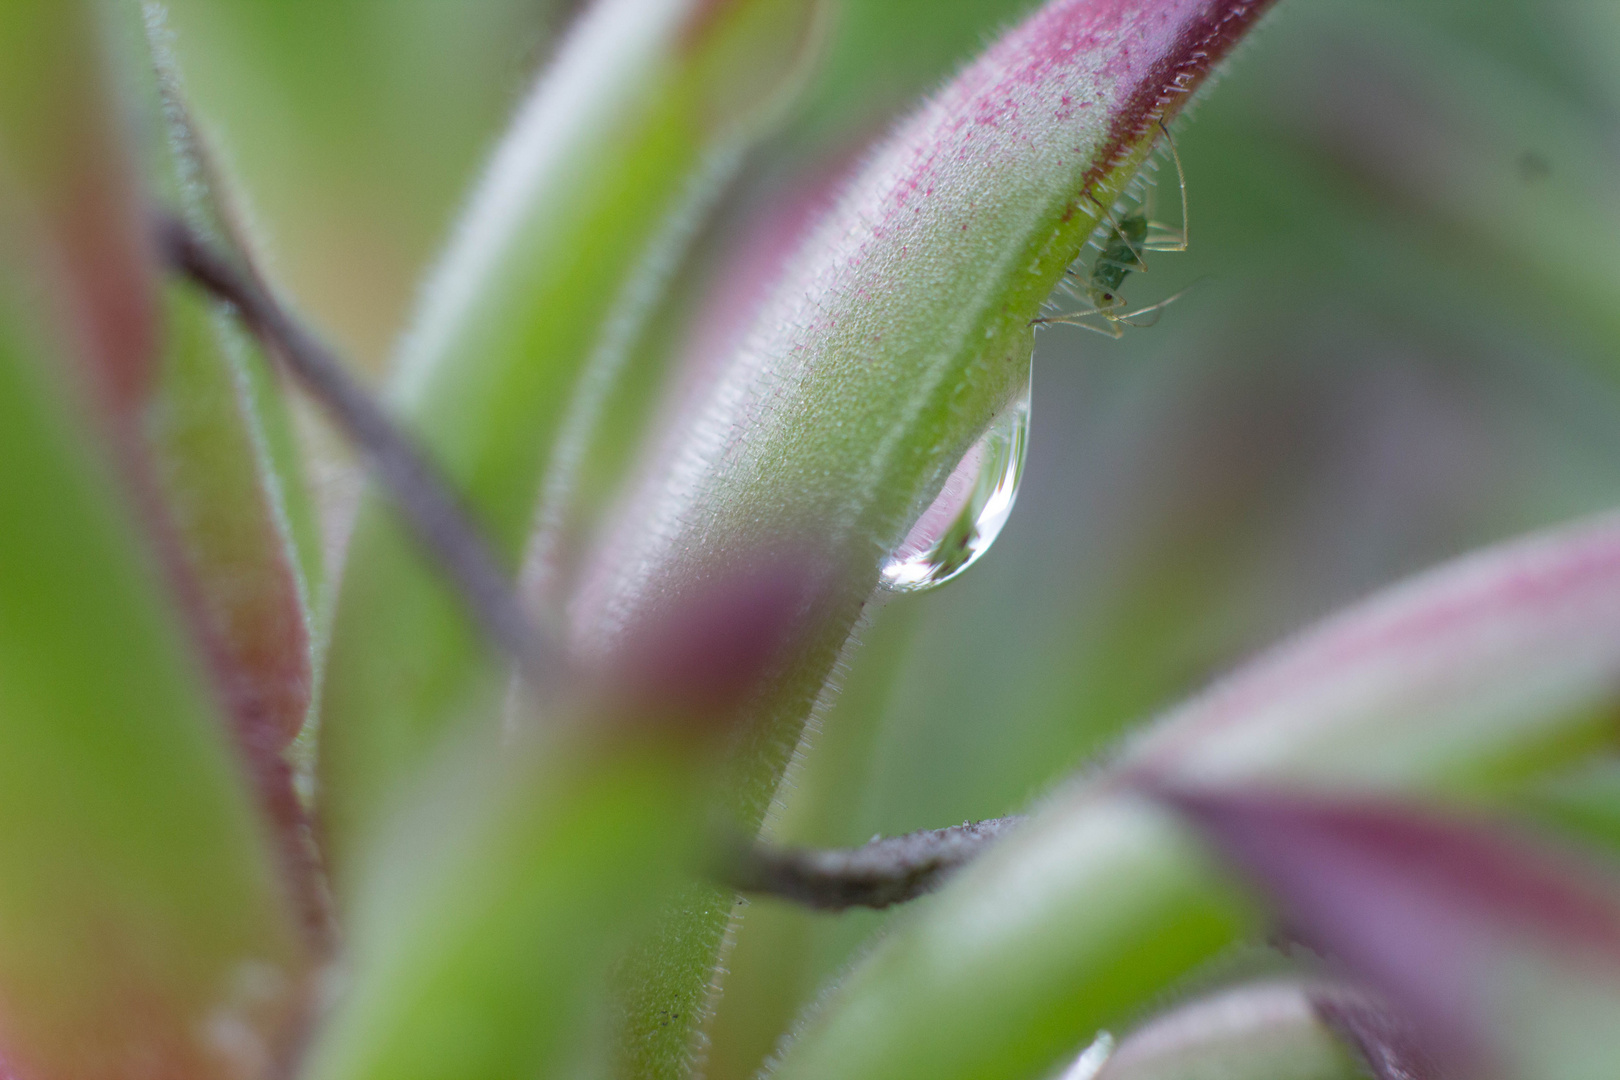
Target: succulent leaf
(1461,680)
(563,250)
(897,333)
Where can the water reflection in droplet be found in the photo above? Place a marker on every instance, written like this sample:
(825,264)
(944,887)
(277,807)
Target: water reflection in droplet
(966,517)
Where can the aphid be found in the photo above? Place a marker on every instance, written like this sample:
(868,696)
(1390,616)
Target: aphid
(1121,252)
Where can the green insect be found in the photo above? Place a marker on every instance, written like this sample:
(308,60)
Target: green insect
(1120,253)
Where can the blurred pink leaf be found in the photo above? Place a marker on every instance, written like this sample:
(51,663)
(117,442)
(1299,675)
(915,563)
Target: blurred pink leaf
(1501,662)
(1483,937)
(1386,1043)
(1468,677)
(144,929)
(234,563)
(64,161)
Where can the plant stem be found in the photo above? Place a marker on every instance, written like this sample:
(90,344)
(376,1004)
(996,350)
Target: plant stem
(887,871)
(428,504)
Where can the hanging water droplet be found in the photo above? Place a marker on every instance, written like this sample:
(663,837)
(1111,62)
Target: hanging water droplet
(967,515)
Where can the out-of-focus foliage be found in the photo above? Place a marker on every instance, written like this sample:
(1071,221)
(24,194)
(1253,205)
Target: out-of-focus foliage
(1375,369)
(1399,344)
(1451,686)
(584,211)
(1400,340)
(354,129)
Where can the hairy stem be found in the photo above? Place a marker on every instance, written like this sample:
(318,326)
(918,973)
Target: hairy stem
(886,871)
(427,503)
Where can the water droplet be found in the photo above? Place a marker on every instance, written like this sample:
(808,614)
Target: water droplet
(967,515)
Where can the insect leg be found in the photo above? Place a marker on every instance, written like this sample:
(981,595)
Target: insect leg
(1110,327)
(1170,239)
(1152,309)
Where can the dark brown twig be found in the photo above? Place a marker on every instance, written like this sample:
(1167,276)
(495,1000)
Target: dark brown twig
(876,875)
(421,495)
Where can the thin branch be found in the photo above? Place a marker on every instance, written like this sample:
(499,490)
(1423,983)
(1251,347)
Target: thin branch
(884,872)
(422,496)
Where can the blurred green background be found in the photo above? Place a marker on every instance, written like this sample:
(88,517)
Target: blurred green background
(1402,341)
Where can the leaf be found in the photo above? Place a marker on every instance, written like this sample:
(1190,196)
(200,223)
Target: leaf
(215,478)
(903,325)
(184,169)
(484,931)
(776,951)
(564,248)
(1503,951)
(486,922)
(1259,1031)
(221,496)
(899,331)
(351,128)
(1466,678)
(66,165)
(1065,928)
(1498,665)
(143,928)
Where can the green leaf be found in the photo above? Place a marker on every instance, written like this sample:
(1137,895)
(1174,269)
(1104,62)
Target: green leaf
(1064,929)
(220,495)
(563,250)
(63,158)
(771,962)
(184,170)
(904,326)
(250,604)
(900,330)
(142,925)
(212,470)
(351,128)
(487,921)
(145,927)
